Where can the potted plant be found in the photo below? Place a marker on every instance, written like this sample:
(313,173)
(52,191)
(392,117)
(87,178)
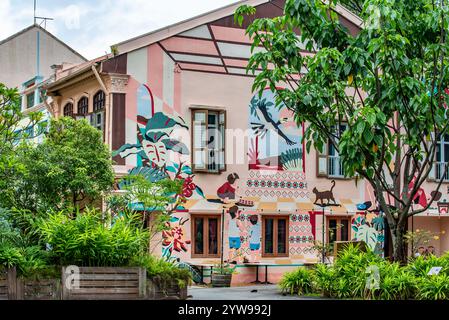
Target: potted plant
(222,275)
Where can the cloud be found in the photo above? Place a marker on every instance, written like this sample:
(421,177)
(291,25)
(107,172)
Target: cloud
(91,27)
(12,20)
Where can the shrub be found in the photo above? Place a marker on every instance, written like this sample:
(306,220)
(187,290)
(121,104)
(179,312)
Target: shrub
(347,278)
(351,266)
(324,278)
(299,281)
(16,249)
(87,241)
(10,256)
(162,271)
(396,283)
(421,266)
(434,287)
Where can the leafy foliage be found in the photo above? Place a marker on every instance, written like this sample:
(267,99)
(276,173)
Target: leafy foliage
(297,282)
(11,133)
(223,269)
(434,288)
(88,241)
(349,276)
(17,248)
(72,167)
(162,271)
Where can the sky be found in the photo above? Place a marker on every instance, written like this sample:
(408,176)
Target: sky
(92,26)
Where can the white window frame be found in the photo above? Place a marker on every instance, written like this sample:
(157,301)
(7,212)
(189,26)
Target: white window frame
(325,161)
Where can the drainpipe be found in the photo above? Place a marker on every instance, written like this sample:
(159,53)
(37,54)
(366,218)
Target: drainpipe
(108,110)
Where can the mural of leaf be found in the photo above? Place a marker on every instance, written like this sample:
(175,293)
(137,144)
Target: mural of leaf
(171,169)
(176,146)
(292,159)
(127,150)
(368,235)
(200,191)
(162,123)
(156,152)
(187,170)
(378,223)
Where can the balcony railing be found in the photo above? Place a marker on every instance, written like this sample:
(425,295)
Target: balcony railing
(441,171)
(335,167)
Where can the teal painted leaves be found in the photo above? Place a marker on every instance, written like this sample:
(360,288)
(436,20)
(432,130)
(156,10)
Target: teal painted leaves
(154,140)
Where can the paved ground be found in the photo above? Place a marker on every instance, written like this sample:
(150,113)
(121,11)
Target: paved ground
(263,292)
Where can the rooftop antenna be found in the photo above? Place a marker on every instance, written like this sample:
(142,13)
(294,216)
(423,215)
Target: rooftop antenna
(43,20)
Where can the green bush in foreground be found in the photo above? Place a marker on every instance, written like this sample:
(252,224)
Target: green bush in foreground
(88,241)
(353,269)
(434,288)
(297,282)
(162,271)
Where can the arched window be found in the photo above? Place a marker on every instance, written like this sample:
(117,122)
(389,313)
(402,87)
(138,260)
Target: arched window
(68,110)
(97,118)
(83,106)
(99,101)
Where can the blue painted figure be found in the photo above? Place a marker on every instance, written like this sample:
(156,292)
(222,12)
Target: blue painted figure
(255,234)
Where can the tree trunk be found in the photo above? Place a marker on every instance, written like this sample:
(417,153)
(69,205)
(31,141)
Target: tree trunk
(399,246)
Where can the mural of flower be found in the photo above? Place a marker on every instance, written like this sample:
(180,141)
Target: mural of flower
(173,238)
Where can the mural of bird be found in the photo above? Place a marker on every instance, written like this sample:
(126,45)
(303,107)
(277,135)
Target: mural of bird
(261,129)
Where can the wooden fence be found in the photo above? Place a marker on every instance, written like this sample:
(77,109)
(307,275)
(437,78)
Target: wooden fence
(47,289)
(8,284)
(104,284)
(90,284)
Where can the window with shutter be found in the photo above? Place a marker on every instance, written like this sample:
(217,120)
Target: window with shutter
(329,163)
(208,140)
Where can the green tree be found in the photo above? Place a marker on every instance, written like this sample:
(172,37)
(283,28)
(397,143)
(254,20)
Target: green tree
(72,167)
(156,201)
(12,123)
(386,82)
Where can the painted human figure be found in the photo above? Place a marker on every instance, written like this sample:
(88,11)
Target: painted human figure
(228,190)
(254,237)
(234,233)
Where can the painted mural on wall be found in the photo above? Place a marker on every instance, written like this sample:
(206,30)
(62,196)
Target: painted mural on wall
(301,234)
(275,140)
(244,235)
(174,238)
(370,228)
(276,156)
(159,157)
